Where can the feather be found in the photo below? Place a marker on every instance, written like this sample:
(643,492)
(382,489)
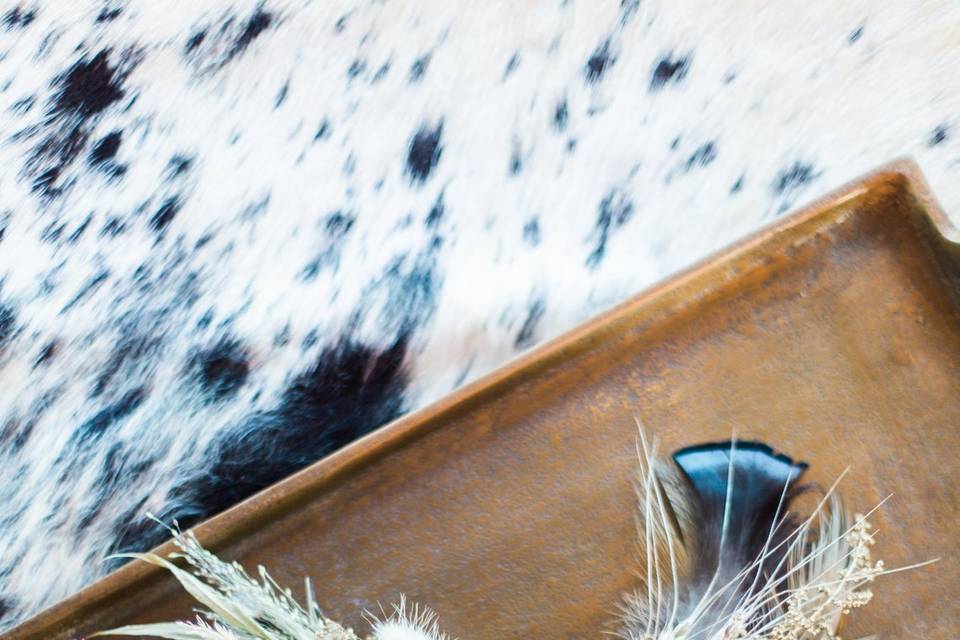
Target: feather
(723,557)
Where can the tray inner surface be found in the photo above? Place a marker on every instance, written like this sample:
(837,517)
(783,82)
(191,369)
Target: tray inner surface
(835,338)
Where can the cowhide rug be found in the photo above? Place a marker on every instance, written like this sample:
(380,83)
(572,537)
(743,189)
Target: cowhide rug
(236,235)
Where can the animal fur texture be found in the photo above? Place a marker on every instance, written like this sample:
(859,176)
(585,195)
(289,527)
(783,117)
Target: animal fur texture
(237,235)
(723,558)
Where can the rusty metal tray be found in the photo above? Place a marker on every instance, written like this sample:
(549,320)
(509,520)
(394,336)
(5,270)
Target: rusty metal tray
(508,507)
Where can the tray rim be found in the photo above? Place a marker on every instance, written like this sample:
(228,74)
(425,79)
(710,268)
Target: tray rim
(242,517)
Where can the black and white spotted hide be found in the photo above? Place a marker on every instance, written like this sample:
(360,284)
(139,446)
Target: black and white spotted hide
(237,235)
